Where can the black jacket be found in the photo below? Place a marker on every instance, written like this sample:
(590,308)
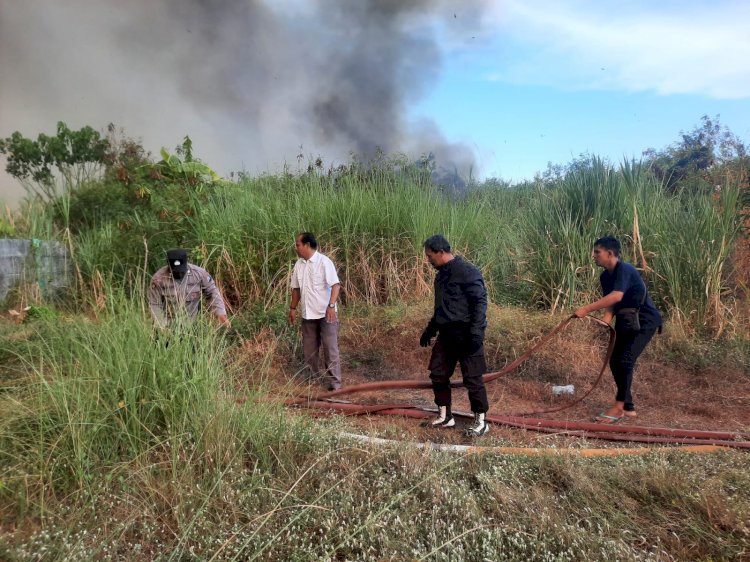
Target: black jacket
(460,298)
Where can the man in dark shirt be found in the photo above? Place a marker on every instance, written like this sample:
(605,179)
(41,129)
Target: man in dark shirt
(458,321)
(622,287)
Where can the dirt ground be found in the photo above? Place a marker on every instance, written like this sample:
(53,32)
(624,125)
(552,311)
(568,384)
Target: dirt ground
(667,394)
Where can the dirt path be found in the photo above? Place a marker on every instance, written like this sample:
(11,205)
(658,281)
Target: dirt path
(666,395)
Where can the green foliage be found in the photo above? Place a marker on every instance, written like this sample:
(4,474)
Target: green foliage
(98,394)
(7,230)
(258,317)
(532,241)
(700,158)
(140,206)
(117,443)
(693,236)
(352,502)
(39,312)
(372,222)
(192,172)
(681,242)
(564,219)
(76,155)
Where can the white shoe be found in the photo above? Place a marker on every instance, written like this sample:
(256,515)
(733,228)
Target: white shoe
(444,419)
(479,427)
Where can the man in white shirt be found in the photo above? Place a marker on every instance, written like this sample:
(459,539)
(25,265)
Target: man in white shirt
(315,288)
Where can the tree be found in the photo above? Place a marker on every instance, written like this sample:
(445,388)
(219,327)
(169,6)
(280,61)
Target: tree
(707,148)
(78,156)
(557,172)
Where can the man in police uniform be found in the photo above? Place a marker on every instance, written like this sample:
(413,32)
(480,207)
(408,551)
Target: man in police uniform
(177,289)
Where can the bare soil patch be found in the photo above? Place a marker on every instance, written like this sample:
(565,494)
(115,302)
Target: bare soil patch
(384,346)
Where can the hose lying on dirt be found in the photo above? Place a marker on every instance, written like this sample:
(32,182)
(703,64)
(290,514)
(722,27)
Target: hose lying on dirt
(607,432)
(328,401)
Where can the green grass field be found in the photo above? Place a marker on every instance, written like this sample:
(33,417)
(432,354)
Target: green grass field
(116,444)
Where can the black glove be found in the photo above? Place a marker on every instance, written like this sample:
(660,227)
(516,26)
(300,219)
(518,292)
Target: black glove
(426,339)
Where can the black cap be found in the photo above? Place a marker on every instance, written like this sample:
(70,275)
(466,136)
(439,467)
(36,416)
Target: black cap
(177,259)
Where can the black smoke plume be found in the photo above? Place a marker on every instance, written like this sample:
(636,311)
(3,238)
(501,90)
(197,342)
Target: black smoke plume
(250,81)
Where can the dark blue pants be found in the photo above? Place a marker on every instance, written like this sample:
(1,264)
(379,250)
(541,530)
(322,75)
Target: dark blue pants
(628,347)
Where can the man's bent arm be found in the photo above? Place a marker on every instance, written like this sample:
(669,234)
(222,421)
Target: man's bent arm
(607,302)
(213,295)
(295,299)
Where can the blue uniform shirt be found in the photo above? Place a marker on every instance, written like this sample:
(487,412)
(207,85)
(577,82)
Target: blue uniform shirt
(626,278)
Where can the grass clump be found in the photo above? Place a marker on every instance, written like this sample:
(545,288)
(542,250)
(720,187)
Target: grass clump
(94,403)
(365,504)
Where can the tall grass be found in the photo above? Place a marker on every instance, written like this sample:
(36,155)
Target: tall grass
(373,230)
(120,443)
(693,239)
(117,446)
(681,243)
(100,395)
(533,242)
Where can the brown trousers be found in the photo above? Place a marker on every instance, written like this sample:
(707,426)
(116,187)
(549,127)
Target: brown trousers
(317,333)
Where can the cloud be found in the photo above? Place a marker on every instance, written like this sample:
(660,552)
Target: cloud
(667,48)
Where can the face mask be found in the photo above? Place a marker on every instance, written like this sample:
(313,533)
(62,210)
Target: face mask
(178,264)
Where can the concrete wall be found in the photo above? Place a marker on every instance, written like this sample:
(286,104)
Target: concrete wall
(44,262)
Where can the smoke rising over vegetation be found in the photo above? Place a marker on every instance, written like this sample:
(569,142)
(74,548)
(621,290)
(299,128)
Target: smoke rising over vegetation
(121,441)
(257,82)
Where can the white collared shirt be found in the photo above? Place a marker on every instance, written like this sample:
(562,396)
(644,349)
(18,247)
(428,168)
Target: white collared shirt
(314,278)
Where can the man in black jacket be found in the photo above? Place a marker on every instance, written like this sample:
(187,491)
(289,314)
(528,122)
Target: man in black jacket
(458,321)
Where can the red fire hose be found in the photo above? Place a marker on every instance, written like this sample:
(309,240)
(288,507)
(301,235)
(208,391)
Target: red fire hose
(608,432)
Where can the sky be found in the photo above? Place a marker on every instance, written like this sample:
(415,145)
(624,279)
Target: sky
(547,81)
(498,88)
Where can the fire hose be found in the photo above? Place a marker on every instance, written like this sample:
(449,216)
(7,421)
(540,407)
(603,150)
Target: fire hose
(330,402)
